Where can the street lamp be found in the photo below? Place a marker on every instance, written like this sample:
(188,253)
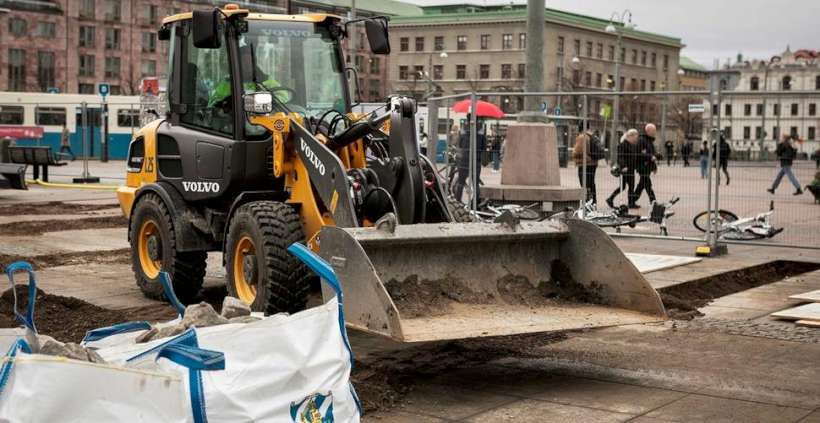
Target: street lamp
(623,21)
(429,73)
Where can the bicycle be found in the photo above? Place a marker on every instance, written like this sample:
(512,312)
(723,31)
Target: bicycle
(615,218)
(660,214)
(488,211)
(728,226)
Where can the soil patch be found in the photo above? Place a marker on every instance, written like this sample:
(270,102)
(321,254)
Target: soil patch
(682,301)
(33,228)
(67,319)
(416,298)
(383,380)
(53,207)
(122,256)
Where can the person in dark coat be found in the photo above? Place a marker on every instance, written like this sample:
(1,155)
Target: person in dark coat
(685,151)
(725,154)
(786,153)
(670,151)
(646,165)
(627,163)
(463,158)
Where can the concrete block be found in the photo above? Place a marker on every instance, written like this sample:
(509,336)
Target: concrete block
(544,193)
(531,155)
(234,307)
(813,296)
(202,315)
(803,312)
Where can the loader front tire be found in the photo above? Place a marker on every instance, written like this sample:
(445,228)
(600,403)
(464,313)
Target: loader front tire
(260,270)
(153,249)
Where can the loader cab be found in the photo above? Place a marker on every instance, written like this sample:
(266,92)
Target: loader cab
(216,58)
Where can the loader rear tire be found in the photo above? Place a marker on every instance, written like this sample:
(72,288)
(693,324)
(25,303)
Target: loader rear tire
(261,272)
(153,249)
(459,211)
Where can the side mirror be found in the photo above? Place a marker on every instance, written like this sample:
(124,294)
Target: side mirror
(258,103)
(376,29)
(206,28)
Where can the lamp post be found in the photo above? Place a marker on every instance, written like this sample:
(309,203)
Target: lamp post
(623,21)
(429,74)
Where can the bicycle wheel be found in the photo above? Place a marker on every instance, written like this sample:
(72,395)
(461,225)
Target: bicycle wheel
(613,221)
(701,220)
(741,236)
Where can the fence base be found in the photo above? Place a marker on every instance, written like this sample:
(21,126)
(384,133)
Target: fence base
(87,180)
(709,251)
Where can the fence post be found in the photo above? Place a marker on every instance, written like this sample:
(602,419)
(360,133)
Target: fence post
(86,178)
(432,131)
(584,127)
(473,151)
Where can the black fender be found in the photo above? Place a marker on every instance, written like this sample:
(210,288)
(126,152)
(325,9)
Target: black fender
(243,198)
(191,229)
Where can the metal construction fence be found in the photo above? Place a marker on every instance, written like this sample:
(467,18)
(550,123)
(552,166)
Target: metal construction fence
(687,164)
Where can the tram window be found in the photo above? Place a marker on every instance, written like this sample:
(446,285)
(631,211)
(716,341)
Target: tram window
(49,115)
(11,115)
(128,118)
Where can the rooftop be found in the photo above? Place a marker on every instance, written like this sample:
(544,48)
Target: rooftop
(383,7)
(689,64)
(467,14)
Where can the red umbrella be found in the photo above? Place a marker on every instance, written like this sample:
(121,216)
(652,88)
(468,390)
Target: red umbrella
(483,109)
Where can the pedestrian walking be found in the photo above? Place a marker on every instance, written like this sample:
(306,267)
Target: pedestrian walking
(685,151)
(496,152)
(670,151)
(626,167)
(786,153)
(65,143)
(463,159)
(816,157)
(587,150)
(704,160)
(646,164)
(725,154)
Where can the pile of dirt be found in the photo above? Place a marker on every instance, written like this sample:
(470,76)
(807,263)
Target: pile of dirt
(382,380)
(67,319)
(683,301)
(53,207)
(416,298)
(122,256)
(37,227)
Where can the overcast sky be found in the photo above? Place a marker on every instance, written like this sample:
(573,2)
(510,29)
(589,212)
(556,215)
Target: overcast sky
(711,29)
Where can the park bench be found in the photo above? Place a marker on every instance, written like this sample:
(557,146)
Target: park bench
(36,156)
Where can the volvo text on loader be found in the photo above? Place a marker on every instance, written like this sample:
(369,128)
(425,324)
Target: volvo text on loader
(260,149)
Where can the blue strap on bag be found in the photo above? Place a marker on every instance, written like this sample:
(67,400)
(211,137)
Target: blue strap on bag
(26,319)
(8,362)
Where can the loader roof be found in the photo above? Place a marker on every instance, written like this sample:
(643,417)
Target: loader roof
(308,17)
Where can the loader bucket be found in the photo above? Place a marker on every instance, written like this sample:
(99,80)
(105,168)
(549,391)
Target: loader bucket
(430,282)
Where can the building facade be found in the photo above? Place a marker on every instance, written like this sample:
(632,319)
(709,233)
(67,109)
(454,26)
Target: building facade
(462,48)
(695,77)
(753,121)
(69,46)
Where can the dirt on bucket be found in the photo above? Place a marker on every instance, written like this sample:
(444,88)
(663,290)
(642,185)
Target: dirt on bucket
(67,319)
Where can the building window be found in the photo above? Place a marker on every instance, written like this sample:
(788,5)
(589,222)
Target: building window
(438,71)
(86,65)
(665,62)
(461,42)
(115,90)
(46,29)
(812,133)
(112,10)
(611,54)
(403,73)
(576,48)
(46,65)
(112,39)
(652,86)
(599,51)
(87,36)
(485,41)
(419,43)
(404,44)
(589,48)
(812,109)
(643,58)
(787,83)
(11,115)
(793,132)
(375,65)
(777,110)
(747,132)
(506,41)
(506,71)
(759,110)
(112,67)
(795,109)
(588,79)
(817,82)
(149,42)
(576,77)
(484,72)
(754,83)
(461,71)
(728,110)
(599,80)
(438,43)
(18,27)
(418,72)
(747,110)
(148,68)
(643,85)
(49,116)
(654,60)
(623,55)
(610,81)
(87,8)
(560,45)
(522,70)
(85,88)
(634,56)
(128,118)
(17,70)
(758,132)
(522,40)
(151,14)
(776,132)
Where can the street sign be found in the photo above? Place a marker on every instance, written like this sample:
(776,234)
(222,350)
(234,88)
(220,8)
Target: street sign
(557,111)
(697,108)
(103,88)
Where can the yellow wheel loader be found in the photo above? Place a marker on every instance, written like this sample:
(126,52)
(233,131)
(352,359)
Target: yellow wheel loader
(259,149)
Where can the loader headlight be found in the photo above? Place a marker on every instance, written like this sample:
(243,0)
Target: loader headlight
(258,103)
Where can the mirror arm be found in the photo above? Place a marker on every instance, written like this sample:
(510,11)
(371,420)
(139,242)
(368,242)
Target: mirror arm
(385,18)
(358,99)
